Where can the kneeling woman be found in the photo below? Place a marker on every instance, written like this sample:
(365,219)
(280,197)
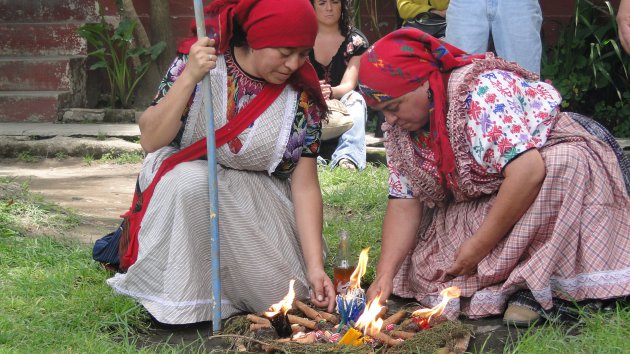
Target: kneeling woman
(270,204)
(492,188)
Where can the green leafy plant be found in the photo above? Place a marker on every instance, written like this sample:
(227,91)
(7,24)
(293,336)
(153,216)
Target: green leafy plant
(26,156)
(88,159)
(116,55)
(589,67)
(60,155)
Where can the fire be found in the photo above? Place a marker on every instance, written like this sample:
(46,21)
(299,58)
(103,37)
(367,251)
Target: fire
(447,294)
(285,304)
(367,321)
(359,271)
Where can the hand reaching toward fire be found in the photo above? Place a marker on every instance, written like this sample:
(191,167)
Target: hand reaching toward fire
(382,286)
(322,290)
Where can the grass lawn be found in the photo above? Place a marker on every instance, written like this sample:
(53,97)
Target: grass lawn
(55,300)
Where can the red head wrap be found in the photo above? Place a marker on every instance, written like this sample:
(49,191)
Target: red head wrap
(267,24)
(401,62)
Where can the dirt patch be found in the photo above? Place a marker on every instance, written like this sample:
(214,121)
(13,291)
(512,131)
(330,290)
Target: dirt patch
(98,192)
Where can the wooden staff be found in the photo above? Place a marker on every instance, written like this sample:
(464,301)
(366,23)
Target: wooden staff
(395,318)
(259,320)
(302,322)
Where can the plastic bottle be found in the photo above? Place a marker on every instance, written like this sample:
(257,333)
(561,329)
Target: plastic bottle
(343,266)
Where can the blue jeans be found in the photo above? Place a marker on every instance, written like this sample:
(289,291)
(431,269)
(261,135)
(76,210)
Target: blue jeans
(351,144)
(514,25)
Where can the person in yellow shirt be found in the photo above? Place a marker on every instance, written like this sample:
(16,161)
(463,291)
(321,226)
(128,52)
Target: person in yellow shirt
(426,15)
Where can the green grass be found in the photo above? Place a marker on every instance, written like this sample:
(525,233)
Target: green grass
(88,159)
(122,158)
(354,202)
(54,297)
(598,332)
(26,156)
(55,300)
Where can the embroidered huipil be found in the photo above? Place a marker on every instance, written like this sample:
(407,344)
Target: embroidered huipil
(506,116)
(242,88)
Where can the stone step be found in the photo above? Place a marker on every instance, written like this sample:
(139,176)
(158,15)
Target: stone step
(63,73)
(33,106)
(29,11)
(41,39)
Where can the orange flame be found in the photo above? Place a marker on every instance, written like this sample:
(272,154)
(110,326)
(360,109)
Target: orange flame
(447,294)
(285,304)
(359,271)
(367,322)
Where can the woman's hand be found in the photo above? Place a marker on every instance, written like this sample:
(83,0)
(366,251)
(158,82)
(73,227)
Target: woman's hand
(201,59)
(470,253)
(523,179)
(322,290)
(382,285)
(326,89)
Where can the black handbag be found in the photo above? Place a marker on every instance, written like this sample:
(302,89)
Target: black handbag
(430,23)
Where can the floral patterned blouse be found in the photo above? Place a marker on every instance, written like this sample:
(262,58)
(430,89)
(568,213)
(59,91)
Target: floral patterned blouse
(242,88)
(355,44)
(506,116)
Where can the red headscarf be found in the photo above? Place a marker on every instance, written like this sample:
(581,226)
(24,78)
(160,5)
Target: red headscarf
(267,24)
(401,62)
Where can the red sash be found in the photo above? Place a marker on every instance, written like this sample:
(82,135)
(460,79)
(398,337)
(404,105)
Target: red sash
(128,246)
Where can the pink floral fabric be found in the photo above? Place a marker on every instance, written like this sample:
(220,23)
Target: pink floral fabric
(506,116)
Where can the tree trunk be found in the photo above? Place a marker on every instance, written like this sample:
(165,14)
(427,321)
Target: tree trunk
(161,30)
(148,85)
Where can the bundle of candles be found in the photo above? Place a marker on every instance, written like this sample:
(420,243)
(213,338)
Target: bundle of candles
(355,323)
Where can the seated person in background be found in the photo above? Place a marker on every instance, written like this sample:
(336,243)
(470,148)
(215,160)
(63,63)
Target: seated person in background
(335,56)
(492,188)
(428,16)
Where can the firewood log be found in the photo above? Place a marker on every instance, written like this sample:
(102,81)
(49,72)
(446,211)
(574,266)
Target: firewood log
(395,318)
(302,322)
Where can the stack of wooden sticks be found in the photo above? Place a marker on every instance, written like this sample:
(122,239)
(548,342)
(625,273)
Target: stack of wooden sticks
(319,326)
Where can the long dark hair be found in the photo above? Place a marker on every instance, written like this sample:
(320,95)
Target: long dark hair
(345,20)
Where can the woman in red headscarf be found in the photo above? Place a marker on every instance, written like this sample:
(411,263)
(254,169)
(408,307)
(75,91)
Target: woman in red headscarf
(492,188)
(270,203)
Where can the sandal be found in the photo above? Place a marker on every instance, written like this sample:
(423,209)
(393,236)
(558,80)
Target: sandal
(520,316)
(347,164)
(523,310)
